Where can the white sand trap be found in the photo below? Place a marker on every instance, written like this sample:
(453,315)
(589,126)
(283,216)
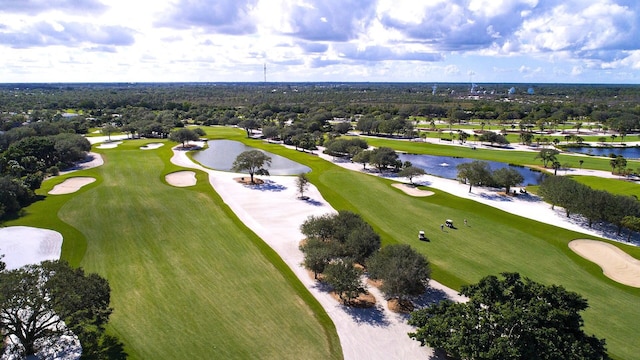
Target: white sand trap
(109,145)
(23,245)
(181,178)
(151,146)
(71,185)
(615,263)
(411,190)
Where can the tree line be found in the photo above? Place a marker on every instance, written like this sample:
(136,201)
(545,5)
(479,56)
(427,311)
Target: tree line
(30,153)
(595,205)
(479,173)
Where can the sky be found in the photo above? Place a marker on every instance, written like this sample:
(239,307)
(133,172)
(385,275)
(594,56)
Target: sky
(475,41)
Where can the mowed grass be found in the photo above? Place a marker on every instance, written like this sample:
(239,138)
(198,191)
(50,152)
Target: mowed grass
(189,280)
(494,242)
(614,186)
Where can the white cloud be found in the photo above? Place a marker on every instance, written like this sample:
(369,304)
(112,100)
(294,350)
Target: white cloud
(341,40)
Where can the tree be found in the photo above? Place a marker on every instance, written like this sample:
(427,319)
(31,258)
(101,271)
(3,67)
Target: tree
(547,156)
(383,157)
(248,125)
(40,303)
(526,137)
(302,184)
(316,255)
(253,161)
(474,173)
(512,318)
(507,177)
(494,138)
(632,223)
(183,136)
(403,271)
(345,234)
(618,163)
(342,127)
(270,132)
(108,129)
(344,278)
(363,157)
(411,172)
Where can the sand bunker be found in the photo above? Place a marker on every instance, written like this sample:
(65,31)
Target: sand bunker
(181,178)
(109,145)
(615,263)
(151,146)
(23,245)
(411,190)
(71,185)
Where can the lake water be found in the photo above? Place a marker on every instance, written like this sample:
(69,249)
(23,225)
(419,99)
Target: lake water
(221,154)
(445,167)
(627,152)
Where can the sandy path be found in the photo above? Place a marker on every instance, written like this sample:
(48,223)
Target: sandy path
(615,263)
(71,185)
(274,213)
(181,178)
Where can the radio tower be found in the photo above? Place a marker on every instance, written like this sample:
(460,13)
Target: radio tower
(265,73)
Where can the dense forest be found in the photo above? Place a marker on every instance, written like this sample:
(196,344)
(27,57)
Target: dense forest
(41,125)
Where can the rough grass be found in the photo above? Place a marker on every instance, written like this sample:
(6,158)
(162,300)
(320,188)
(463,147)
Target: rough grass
(188,279)
(494,242)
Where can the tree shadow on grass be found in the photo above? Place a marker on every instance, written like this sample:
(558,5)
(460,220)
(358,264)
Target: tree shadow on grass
(268,185)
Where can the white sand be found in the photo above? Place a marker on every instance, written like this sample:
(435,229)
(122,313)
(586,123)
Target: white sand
(274,213)
(412,190)
(92,160)
(71,185)
(151,146)
(24,245)
(181,178)
(615,263)
(109,145)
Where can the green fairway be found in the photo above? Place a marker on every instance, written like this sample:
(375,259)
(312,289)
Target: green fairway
(494,242)
(614,186)
(189,281)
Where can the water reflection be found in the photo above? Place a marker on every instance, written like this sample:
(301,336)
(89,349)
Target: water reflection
(221,153)
(445,167)
(627,152)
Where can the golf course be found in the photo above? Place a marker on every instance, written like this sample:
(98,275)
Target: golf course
(190,280)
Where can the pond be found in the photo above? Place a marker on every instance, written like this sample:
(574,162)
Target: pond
(627,152)
(446,167)
(221,154)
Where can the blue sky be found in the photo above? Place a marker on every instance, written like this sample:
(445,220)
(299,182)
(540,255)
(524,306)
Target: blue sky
(528,41)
